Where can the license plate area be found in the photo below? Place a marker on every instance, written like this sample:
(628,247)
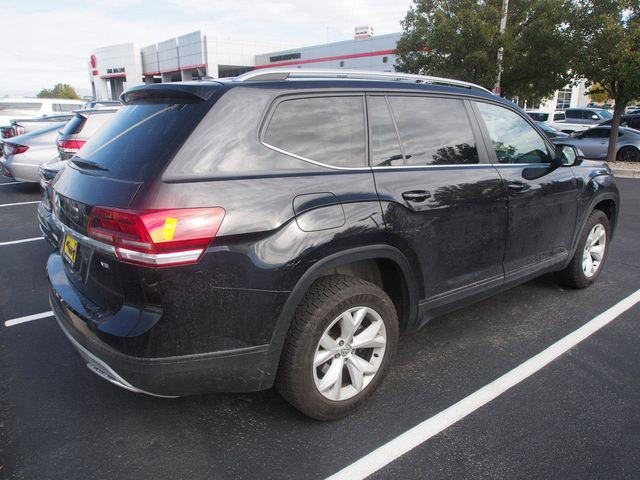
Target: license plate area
(70,249)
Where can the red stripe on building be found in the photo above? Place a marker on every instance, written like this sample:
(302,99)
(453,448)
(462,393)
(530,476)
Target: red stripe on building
(328,59)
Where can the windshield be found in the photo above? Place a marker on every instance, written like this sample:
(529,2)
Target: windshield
(606,114)
(141,139)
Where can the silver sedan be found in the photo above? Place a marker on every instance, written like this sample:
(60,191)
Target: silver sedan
(25,153)
(594,143)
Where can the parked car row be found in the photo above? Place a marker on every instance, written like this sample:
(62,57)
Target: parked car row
(572,119)
(24,154)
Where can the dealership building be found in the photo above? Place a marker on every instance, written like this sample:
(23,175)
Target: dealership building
(115,68)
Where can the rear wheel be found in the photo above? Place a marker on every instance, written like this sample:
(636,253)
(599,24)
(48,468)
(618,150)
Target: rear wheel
(628,154)
(339,347)
(588,260)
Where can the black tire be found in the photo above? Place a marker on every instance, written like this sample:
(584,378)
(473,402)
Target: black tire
(628,154)
(573,275)
(323,303)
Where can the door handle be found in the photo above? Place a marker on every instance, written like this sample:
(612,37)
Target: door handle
(416,195)
(518,186)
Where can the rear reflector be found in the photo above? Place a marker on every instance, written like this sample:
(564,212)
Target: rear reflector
(70,146)
(14,149)
(156,238)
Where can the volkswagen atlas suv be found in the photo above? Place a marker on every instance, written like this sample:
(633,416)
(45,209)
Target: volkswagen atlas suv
(286,227)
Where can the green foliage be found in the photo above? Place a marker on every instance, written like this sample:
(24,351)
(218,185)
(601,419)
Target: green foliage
(608,33)
(461,38)
(61,90)
(598,94)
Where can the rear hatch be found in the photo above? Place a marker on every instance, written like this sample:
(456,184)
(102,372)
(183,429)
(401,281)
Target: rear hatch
(133,148)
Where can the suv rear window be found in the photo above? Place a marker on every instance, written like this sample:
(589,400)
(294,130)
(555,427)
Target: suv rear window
(538,116)
(141,139)
(329,130)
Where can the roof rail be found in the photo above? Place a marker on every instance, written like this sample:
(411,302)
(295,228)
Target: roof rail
(275,74)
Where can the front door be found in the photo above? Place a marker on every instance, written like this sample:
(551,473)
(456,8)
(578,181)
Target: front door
(543,198)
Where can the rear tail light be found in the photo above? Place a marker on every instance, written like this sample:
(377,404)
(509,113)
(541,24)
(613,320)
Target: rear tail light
(70,146)
(18,130)
(156,238)
(14,149)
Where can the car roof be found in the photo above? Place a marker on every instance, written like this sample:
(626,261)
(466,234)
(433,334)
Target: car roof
(206,88)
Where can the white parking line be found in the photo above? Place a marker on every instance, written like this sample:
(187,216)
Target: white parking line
(18,203)
(407,441)
(13,242)
(10,183)
(28,318)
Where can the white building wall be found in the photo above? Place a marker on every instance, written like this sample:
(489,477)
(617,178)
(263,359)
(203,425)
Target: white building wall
(234,53)
(366,54)
(122,62)
(578,98)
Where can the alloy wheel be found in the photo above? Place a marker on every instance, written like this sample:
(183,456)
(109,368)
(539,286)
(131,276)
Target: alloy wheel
(594,249)
(349,353)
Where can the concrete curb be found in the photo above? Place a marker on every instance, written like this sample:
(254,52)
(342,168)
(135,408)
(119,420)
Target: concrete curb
(624,173)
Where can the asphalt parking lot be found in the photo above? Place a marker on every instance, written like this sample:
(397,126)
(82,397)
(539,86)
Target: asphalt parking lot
(578,417)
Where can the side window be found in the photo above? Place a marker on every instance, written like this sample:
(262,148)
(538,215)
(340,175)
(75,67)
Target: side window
(514,140)
(434,131)
(328,130)
(385,147)
(558,117)
(573,114)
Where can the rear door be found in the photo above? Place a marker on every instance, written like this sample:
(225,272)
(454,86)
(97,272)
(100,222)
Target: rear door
(443,203)
(543,199)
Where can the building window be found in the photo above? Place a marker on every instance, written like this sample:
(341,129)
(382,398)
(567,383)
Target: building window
(342,64)
(385,59)
(564,99)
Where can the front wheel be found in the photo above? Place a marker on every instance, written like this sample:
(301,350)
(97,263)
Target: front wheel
(593,246)
(339,347)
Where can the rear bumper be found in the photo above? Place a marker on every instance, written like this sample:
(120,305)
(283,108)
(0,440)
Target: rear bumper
(238,370)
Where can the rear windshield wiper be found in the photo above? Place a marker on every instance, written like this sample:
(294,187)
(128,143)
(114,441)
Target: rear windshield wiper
(88,164)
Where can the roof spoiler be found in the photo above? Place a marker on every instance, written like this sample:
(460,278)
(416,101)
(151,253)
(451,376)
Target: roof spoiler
(167,93)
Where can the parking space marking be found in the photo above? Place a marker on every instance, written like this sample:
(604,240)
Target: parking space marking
(10,183)
(422,432)
(28,318)
(13,242)
(18,203)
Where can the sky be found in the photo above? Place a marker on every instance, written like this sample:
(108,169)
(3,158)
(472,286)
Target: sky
(49,41)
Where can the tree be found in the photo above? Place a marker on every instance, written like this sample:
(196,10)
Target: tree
(608,32)
(598,94)
(461,38)
(61,90)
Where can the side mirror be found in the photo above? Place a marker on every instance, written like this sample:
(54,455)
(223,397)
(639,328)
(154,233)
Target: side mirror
(566,156)
(595,117)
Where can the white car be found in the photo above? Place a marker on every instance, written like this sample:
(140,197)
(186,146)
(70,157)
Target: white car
(25,108)
(557,119)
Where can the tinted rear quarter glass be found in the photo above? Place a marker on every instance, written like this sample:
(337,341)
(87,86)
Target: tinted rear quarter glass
(141,139)
(434,131)
(329,130)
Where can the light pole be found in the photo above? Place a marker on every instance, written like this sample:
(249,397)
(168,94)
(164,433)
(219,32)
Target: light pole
(503,26)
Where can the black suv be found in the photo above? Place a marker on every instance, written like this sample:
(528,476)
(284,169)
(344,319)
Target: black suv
(285,227)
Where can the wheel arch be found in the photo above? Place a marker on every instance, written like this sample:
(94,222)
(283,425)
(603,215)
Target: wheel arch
(387,259)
